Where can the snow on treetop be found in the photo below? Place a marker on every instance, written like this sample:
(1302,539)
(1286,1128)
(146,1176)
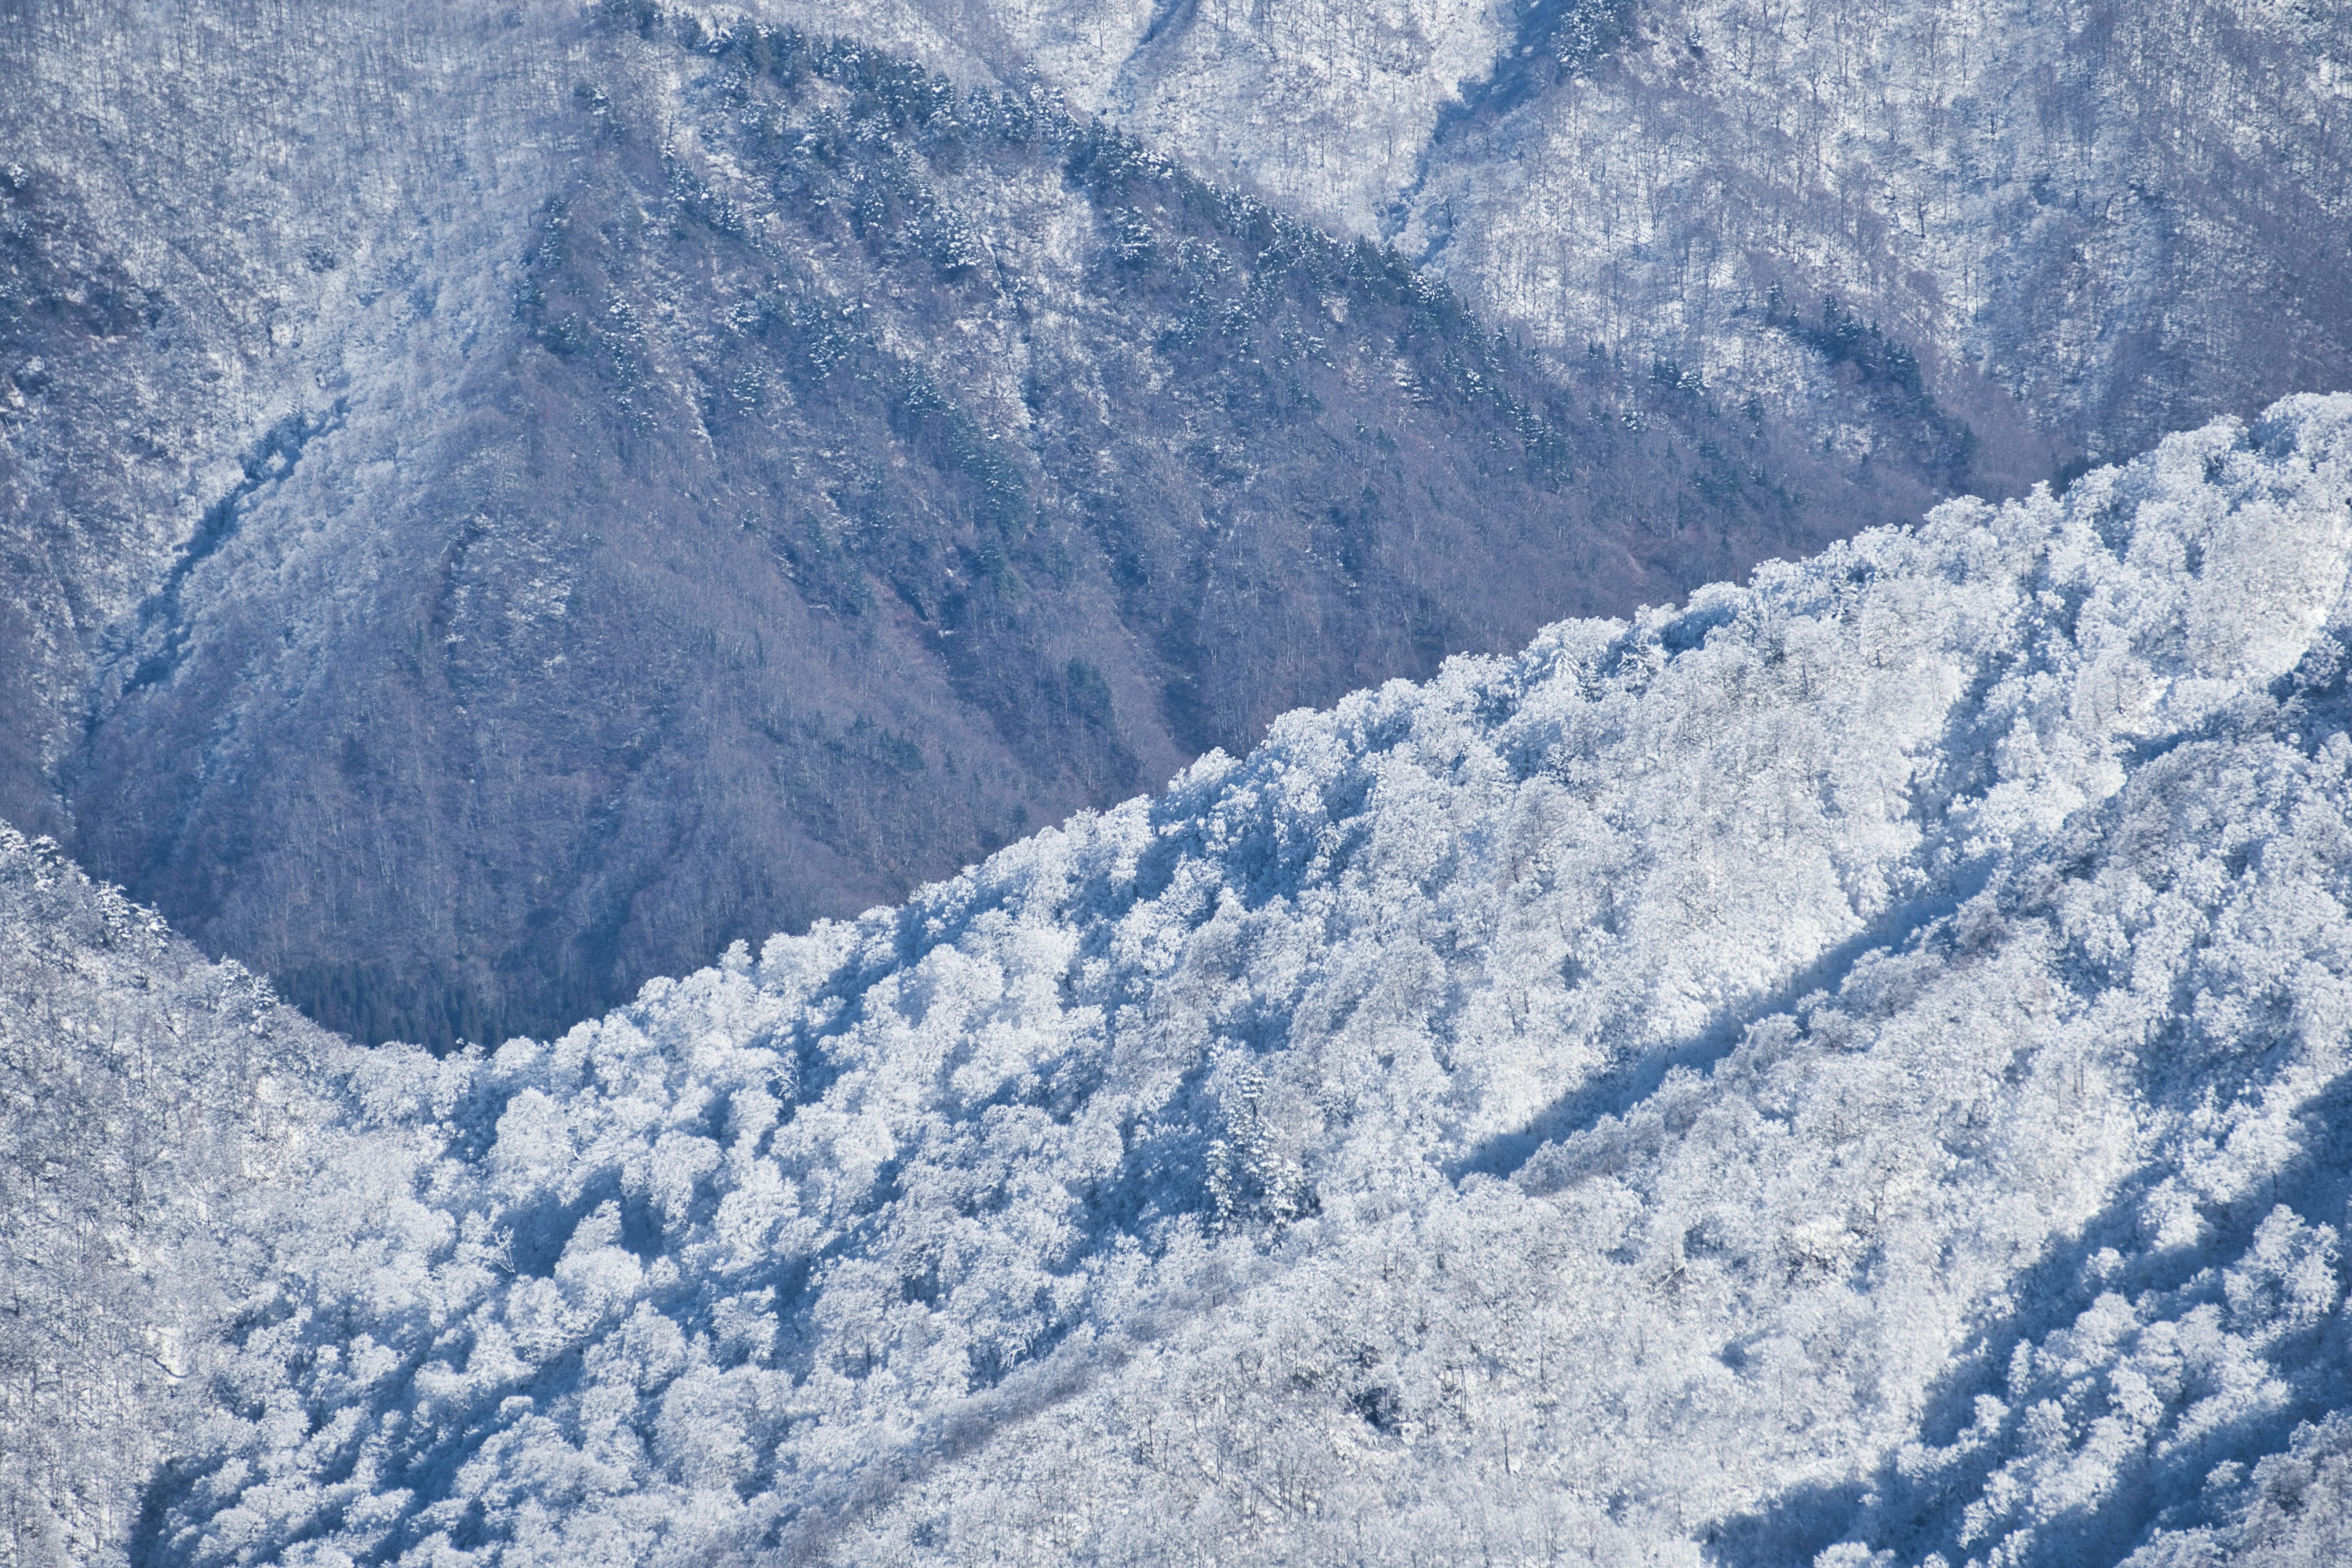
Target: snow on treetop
(1838,1067)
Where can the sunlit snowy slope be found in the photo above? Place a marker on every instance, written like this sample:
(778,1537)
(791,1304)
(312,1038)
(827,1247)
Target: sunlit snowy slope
(1852,1066)
(154,1108)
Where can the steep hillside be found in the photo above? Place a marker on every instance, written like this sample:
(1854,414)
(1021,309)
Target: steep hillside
(502,507)
(2064,227)
(1848,1072)
(154,1110)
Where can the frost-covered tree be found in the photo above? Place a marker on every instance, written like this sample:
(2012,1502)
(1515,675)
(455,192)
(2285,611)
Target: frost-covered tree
(151,1105)
(1846,1071)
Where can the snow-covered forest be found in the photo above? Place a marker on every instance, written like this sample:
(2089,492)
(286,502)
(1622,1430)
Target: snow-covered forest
(1847,1071)
(154,1108)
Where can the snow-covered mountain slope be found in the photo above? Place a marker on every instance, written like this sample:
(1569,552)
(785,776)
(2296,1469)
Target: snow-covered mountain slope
(153,1108)
(496,504)
(1850,1070)
(2113,217)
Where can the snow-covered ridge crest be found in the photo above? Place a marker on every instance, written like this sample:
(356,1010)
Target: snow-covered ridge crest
(1621,1102)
